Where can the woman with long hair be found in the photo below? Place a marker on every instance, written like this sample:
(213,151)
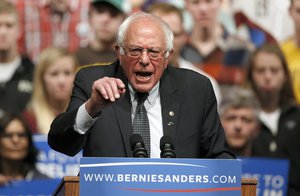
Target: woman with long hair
(53,83)
(18,155)
(279,116)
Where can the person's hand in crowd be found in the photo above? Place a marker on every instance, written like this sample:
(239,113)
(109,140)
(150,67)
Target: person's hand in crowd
(104,92)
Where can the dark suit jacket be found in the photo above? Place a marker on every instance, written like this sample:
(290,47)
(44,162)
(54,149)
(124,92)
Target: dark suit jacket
(195,126)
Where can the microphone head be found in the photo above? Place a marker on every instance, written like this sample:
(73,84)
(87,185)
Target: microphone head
(167,147)
(135,139)
(166,140)
(138,146)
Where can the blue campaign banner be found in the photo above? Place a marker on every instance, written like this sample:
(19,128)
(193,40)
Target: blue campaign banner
(30,188)
(142,176)
(271,174)
(54,164)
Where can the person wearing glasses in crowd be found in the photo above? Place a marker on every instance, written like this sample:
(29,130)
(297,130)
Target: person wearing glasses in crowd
(181,103)
(18,155)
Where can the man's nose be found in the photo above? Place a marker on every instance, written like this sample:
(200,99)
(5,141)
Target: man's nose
(106,17)
(144,58)
(238,124)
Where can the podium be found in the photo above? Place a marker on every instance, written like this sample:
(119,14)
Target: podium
(144,176)
(69,185)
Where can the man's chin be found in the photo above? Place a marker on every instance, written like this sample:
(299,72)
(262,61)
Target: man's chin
(143,87)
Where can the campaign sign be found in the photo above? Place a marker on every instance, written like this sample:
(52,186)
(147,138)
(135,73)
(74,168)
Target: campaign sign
(144,176)
(271,175)
(52,163)
(30,188)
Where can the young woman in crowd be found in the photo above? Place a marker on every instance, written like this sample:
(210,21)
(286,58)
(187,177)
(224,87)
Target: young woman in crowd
(53,83)
(279,116)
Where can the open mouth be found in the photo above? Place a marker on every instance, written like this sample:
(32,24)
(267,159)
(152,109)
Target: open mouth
(143,74)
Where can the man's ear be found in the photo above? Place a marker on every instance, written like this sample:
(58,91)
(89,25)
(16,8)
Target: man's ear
(120,53)
(117,48)
(169,54)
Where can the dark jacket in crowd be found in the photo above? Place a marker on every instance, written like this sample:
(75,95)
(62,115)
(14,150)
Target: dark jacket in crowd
(16,93)
(285,144)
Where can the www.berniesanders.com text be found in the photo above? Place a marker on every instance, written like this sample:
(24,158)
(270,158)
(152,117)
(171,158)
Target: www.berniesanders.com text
(159,178)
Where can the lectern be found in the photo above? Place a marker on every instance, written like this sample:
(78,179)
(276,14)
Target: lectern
(114,176)
(69,185)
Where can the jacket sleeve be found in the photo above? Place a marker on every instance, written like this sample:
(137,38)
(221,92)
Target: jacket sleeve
(62,137)
(214,133)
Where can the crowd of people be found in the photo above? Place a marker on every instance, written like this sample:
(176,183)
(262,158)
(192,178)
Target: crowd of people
(256,88)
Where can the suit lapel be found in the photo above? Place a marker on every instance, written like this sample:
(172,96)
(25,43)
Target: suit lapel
(169,103)
(123,112)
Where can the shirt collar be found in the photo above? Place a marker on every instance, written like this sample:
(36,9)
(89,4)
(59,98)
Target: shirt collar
(153,94)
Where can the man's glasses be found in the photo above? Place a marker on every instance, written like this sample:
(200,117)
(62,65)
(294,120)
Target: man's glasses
(153,53)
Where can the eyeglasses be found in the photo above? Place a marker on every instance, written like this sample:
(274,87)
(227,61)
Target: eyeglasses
(153,53)
(11,135)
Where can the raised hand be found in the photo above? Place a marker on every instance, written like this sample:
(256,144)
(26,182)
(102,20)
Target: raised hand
(104,92)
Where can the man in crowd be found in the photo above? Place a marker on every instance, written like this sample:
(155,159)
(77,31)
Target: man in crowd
(57,23)
(212,48)
(16,72)
(239,117)
(107,101)
(173,16)
(104,18)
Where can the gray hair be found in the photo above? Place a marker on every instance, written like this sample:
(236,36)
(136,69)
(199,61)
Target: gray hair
(238,97)
(169,37)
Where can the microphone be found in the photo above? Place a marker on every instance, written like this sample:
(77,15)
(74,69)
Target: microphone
(167,147)
(138,146)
